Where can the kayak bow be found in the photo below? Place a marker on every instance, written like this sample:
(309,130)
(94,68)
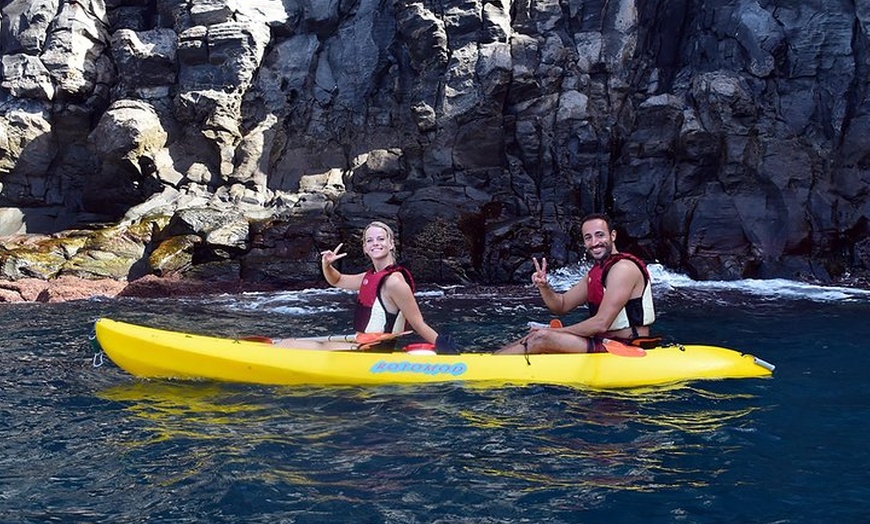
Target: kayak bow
(154,353)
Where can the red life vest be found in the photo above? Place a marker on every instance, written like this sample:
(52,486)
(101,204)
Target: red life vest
(371,315)
(637,311)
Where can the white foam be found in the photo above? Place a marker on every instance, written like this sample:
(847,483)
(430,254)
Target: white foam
(302,302)
(665,280)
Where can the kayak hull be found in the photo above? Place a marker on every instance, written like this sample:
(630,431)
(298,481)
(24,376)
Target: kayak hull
(154,353)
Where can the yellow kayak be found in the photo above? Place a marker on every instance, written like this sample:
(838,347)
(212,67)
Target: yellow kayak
(155,353)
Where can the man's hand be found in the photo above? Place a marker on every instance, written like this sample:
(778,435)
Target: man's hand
(539,277)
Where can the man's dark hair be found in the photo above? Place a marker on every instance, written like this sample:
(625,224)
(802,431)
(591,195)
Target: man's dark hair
(598,216)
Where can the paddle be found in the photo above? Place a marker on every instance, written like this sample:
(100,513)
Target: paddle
(611,346)
(365,340)
(623,350)
(257,338)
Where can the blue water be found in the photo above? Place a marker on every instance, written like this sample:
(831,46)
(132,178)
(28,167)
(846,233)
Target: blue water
(92,444)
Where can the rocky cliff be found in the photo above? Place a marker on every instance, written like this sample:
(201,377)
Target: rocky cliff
(235,139)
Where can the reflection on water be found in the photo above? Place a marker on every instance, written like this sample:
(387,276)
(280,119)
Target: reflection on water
(378,440)
(177,409)
(94,445)
(651,436)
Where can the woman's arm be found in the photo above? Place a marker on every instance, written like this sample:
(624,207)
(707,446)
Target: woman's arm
(397,291)
(333,276)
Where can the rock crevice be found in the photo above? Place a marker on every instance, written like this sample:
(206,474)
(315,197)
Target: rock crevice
(240,138)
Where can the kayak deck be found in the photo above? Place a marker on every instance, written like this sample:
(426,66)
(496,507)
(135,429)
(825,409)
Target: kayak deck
(153,353)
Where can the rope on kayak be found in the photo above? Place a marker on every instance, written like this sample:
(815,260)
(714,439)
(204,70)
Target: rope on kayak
(98,350)
(525,344)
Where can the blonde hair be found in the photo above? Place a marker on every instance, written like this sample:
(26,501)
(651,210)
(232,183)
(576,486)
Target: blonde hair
(386,228)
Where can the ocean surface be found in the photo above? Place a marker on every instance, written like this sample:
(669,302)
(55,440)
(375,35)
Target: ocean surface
(86,443)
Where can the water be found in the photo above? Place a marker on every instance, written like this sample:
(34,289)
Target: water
(85,444)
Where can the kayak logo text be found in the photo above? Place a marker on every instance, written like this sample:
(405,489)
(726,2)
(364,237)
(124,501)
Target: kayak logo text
(424,368)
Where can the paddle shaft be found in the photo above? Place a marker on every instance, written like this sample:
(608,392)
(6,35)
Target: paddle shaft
(365,340)
(611,346)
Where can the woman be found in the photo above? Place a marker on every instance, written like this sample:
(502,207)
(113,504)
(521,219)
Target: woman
(385,303)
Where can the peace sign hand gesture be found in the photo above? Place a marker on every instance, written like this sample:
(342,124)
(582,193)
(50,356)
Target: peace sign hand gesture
(331,255)
(539,277)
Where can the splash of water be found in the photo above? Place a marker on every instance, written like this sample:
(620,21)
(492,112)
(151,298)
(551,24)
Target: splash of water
(665,280)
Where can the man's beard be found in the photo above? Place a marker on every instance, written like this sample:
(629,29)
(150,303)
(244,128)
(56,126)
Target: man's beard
(608,250)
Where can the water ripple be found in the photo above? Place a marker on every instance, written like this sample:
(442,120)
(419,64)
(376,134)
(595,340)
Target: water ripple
(85,444)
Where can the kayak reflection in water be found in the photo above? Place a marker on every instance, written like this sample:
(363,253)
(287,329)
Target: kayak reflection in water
(385,301)
(617,289)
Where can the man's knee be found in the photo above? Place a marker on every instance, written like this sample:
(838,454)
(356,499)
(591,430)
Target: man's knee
(538,340)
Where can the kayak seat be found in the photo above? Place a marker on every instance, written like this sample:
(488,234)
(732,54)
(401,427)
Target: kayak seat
(422,348)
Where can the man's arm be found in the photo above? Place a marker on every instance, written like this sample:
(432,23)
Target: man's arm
(562,303)
(558,303)
(621,281)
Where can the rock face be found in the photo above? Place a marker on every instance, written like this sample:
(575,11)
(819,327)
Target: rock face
(239,138)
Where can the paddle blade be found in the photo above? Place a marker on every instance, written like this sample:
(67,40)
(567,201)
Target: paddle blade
(623,350)
(257,338)
(367,340)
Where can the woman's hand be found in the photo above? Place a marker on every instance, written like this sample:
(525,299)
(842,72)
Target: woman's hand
(331,255)
(332,275)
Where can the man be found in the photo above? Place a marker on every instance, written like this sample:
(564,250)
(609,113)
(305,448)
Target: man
(617,289)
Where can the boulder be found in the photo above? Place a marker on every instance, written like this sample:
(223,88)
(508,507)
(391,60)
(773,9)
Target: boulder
(726,139)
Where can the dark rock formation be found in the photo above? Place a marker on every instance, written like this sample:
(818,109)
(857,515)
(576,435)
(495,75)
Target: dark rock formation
(238,139)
